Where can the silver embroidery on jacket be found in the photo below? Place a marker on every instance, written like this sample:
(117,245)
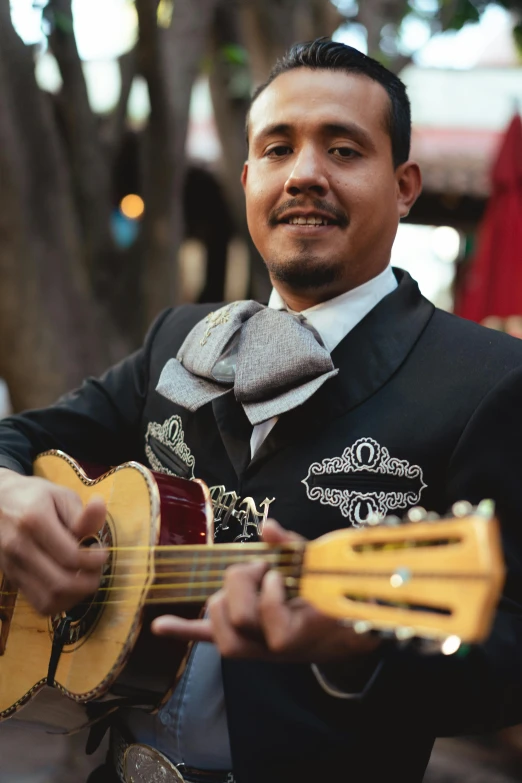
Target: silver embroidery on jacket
(237,519)
(171,435)
(325,480)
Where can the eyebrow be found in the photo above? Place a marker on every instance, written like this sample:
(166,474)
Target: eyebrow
(351,130)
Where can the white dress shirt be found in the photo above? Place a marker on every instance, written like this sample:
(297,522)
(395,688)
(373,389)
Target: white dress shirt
(192,727)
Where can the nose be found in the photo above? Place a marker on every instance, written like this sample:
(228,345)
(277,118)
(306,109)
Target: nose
(307,174)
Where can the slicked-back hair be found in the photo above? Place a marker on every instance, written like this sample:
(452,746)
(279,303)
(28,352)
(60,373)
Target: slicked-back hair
(325,54)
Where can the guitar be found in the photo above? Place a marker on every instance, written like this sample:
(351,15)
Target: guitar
(436,580)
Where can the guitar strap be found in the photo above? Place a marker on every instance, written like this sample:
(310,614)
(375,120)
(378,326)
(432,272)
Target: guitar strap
(59,639)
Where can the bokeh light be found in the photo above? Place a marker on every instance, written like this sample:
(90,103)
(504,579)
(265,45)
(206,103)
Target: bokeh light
(132,206)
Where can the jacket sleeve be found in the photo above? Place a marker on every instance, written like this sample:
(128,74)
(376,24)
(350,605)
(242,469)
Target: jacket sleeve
(481,689)
(99,422)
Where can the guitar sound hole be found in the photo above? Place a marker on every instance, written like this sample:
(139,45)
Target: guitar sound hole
(86,613)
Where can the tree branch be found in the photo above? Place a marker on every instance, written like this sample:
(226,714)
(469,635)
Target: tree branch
(91,174)
(112,129)
(268,31)
(374,15)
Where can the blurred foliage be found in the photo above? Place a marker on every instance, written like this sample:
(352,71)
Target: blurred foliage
(58,20)
(384,21)
(165,12)
(235,54)
(454,14)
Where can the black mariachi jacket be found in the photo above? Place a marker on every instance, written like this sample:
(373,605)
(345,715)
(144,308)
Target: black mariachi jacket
(426,409)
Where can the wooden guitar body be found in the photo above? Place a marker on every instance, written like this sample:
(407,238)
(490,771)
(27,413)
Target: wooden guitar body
(110,651)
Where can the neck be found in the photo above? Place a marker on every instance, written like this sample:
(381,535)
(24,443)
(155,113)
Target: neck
(302,300)
(191,574)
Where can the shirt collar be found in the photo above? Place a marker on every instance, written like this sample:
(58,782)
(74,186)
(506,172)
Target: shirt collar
(336,317)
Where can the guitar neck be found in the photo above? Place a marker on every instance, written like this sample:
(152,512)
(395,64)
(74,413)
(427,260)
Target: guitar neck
(191,574)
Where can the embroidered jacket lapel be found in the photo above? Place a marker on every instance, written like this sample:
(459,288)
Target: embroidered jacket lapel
(367,357)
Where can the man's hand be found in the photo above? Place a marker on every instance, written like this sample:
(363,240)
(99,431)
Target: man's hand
(251,618)
(40,527)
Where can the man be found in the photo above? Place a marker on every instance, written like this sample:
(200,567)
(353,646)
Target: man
(411,405)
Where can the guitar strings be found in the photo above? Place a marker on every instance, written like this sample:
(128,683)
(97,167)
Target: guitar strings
(214,557)
(188,596)
(157,568)
(285,565)
(212,549)
(160,585)
(196,590)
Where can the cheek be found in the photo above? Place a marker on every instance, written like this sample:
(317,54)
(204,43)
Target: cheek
(253,211)
(375,201)
(260,201)
(265,186)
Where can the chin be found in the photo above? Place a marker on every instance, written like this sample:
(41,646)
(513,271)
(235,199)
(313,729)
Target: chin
(304,273)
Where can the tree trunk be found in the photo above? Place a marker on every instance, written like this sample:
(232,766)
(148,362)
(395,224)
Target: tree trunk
(170,61)
(48,325)
(91,175)
(230,91)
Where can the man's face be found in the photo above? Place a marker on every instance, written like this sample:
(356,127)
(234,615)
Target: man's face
(323,198)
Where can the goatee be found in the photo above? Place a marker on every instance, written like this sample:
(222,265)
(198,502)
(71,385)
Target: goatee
(303,273)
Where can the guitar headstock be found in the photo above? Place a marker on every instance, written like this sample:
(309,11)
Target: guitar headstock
(438,579)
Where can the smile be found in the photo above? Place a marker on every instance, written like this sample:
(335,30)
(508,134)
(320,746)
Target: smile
(308,221)
(307,226)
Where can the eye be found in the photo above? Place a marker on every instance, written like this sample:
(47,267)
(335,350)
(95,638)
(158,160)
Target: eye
(345,152)
(278,151)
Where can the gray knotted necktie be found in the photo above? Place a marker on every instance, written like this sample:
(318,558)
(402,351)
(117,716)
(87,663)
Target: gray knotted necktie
(272,361)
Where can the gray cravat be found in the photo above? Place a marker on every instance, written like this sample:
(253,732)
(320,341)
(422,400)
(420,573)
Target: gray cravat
(271,360)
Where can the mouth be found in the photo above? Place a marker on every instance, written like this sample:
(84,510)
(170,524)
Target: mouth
(311,225)
(311,219)
(308,220)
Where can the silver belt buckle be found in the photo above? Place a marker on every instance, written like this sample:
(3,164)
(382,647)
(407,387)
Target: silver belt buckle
(143,764)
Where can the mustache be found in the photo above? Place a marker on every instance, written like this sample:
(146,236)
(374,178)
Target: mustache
(322,206)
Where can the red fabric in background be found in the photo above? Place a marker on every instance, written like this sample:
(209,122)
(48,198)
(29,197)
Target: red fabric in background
(493,285)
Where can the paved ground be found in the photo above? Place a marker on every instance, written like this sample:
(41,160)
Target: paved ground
(31,756)
(461,761)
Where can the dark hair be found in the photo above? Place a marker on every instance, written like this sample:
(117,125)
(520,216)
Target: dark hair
(324,53)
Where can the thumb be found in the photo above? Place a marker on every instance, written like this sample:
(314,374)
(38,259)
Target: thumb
(273,533)
(92,518)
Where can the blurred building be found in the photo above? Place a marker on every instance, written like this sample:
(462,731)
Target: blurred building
(459,117)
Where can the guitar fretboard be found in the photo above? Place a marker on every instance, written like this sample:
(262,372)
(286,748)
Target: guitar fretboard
(194,573)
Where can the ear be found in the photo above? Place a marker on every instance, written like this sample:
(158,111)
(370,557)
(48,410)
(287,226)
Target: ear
(409,186)
(244,174)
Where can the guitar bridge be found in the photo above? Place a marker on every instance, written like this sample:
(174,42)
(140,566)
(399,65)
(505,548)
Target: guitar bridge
(8,600)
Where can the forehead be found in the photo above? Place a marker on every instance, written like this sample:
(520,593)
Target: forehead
(305,97)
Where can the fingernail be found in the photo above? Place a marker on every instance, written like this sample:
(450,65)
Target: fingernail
(272,579)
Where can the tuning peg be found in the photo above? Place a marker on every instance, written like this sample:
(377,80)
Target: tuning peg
(416,514)
(404,633)
(450,645)
(486,508)
(392,520)
(432,516)
(400,577)
(462,508)
(374,518)
(362,626)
